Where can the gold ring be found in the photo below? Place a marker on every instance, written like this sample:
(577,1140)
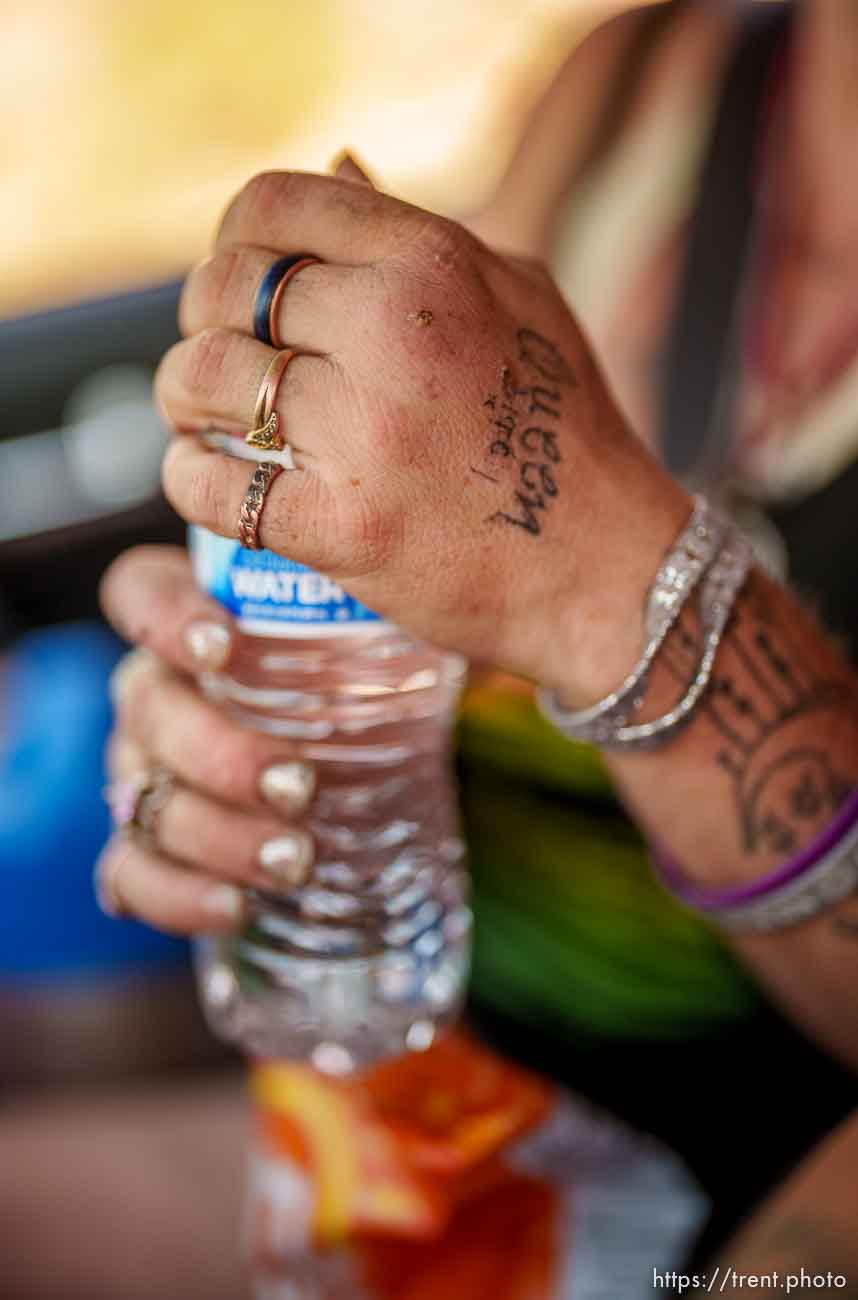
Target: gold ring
(276,297)
(254,503)
(265,435)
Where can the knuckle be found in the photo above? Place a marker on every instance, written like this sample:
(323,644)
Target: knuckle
(264,196)
(184,828)
(384,309)
(297,522)
(114,582)
(228,763)
(205,499)
(441,246)
(219,288)
(369,533)
(206,360)
(122,755)
(132,681)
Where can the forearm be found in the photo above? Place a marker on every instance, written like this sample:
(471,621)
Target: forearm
(769,757)
(808,1229)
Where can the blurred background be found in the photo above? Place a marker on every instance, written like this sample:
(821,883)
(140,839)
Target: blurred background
(126,128)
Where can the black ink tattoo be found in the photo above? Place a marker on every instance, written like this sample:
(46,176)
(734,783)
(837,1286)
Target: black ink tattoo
(523,442)
(545,358)
(785,786)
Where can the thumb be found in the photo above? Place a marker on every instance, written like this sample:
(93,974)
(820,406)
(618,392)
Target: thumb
(348,169)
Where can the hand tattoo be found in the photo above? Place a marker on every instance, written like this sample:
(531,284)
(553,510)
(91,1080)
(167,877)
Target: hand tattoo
(523,420)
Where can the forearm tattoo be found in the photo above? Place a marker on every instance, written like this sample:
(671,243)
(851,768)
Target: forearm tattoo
(785,783)
(524,415)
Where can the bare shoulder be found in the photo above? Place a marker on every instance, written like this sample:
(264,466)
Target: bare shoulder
(659,47)
(655,46)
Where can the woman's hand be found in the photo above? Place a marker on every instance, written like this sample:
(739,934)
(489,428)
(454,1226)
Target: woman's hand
(462,469)
(233,815)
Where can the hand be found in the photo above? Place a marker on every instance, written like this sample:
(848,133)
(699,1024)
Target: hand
(234,816)
(462,468)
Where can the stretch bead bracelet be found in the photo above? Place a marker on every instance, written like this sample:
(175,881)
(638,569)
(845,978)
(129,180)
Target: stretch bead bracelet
(823,874)
(679,573)
(609,728)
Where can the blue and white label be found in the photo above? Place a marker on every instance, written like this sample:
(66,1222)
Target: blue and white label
(269,595)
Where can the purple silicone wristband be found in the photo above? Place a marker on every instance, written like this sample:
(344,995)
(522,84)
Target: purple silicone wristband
(716,900)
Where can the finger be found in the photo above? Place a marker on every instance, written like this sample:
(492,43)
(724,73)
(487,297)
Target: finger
(208,488)
(311,314)
(150,597)
(215,839)
(131,879)
(347,168)
(222,842)
(169,721)
(324,215)
(218,840)
(212,381)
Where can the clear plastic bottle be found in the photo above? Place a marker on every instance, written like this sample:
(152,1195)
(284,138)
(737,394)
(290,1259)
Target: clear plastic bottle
(369,958)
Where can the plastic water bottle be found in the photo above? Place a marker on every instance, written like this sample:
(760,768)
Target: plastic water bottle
(369,958)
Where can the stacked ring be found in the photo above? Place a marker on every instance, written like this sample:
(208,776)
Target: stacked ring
(254,503)
(136,801)
(270,292)
(265,433)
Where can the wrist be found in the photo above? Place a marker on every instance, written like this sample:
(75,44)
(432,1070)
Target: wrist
(593,633)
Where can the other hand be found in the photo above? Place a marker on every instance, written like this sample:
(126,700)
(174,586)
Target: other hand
(236,811)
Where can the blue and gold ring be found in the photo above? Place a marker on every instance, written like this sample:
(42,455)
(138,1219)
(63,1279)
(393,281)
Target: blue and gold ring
(265,294)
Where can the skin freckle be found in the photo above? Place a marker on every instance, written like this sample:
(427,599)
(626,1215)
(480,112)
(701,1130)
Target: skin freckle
(355,482)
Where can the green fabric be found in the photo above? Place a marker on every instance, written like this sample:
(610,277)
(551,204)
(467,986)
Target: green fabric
(573,932)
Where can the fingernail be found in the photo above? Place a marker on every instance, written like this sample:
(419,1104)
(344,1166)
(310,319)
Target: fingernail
(209,643)
(287,858)
(289,786)
(224,903)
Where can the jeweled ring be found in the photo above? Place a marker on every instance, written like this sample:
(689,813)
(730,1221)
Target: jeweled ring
(265,433)
(136,801)
(254,503)
(270,292)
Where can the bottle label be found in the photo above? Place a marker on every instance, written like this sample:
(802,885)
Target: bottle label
(269,595)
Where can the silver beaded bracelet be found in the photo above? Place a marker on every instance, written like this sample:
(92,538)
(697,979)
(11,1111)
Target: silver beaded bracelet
(679,573)
(823,874)
(830,882)
(606,723)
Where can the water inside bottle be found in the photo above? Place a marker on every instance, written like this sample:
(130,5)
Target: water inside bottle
(369,958)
